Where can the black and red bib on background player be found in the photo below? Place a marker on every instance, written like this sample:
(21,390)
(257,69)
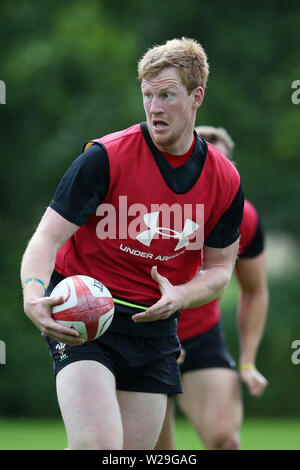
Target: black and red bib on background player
(195,321)
(127,167)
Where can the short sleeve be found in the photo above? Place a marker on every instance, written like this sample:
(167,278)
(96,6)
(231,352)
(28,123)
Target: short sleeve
(226,230)
(257,243)
(83,186)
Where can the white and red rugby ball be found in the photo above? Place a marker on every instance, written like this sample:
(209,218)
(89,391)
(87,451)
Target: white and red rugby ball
(87,306)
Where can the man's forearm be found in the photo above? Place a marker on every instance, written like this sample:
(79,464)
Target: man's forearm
(38,262)
(40,255)
(205,287)
(252,313)
(211,281)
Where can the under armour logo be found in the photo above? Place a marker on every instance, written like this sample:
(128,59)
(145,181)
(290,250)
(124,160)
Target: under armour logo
(151,220)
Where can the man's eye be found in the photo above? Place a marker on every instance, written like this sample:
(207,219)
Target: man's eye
(167,95)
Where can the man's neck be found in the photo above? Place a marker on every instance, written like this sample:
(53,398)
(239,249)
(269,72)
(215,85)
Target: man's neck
(178,160)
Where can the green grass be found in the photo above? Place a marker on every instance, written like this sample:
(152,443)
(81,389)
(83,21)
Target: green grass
(257,434)
(27,434)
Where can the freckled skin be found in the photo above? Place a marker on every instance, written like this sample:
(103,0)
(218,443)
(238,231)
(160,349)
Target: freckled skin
(170,110)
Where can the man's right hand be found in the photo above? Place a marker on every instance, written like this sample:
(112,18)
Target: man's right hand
(39,310)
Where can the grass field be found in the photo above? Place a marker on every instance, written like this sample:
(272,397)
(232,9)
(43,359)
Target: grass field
(257,434)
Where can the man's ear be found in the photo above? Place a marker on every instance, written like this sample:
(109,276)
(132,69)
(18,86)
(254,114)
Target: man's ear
(198,97)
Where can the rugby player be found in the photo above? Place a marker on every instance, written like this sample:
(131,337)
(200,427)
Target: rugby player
(113,391)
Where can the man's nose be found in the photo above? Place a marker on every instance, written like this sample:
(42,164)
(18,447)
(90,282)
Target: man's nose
(156,105)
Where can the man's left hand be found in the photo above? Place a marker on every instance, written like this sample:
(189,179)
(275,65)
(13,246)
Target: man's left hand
(255,381)
(169,302)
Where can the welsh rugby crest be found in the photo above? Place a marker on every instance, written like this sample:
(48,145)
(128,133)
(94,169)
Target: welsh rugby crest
(61,347)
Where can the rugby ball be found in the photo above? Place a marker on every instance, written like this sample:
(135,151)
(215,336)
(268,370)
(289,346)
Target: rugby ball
(87,306)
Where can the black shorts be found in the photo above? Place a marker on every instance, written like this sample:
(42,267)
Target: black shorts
(207,350)
(138,364)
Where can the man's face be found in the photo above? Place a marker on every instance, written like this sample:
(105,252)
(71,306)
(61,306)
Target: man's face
(170,111)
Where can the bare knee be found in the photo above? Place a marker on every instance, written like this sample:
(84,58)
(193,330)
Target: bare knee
(231,443)
(223,440)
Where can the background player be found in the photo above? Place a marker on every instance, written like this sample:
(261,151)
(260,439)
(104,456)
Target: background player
(211,396)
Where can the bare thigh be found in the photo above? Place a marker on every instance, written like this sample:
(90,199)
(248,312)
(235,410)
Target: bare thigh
(211,400)
(89,406)
(167,438)
(142,417)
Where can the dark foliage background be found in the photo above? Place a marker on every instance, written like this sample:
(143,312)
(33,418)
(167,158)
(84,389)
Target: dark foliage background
(70,74)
